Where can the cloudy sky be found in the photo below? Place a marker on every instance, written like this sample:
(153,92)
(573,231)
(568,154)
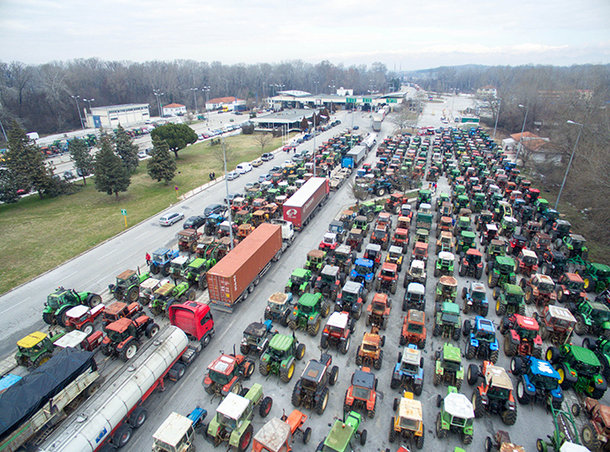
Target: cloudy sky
(403,34)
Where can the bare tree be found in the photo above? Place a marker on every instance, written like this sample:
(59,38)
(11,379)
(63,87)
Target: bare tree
(360,192)
(263,139)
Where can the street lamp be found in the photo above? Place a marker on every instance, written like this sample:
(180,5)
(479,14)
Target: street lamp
(80,117)
(194,90)
(89,102)
(206,90)
(224,158)
(158,93)
(522,130)
(3,132)
(565,176)
(497,116)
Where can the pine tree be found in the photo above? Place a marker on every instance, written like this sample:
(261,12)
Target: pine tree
(126,149)
(83,160)
(161,165)
(8,186)
(26,162)
(111,175)
(177,136)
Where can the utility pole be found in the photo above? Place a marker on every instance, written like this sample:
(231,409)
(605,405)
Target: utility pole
(522,130)
(80,117)
(565,176)
(157,93)
(314,143)
(497,116)
(224,157)
(194,90)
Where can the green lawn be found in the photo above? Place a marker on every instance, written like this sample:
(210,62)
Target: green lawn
(38,235)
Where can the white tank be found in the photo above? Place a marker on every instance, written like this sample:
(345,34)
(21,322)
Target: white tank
(88,427)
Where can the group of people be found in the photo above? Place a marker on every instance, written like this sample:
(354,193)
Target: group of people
(212,175)
(432,186)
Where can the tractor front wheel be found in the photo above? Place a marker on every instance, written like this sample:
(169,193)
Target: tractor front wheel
(129,351)
(48,318)
(589,438)
(42,359)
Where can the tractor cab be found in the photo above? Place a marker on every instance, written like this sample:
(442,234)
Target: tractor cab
(420,251)
(373,252)
(446,289)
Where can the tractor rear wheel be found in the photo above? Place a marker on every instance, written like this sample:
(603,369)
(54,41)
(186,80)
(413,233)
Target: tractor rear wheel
(477,403)
(265,406)
(93,300)
(245,439)
(133,294)
(42,359)
(322,402)
(296,396)
(287,373)
(191,295)
(589,438)
(440,433)
(334,374)
(129,351)
(509,417)
(60,315)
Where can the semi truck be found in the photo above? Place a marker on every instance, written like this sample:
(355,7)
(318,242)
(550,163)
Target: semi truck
(377,120)
(370,141)
(300,207)
(287,232)
(110,415)
(234,277)
(353,158)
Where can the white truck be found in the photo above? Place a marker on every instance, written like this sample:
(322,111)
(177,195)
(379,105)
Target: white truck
(287,232)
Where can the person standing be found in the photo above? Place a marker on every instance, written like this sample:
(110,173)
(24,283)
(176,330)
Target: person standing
(148,259)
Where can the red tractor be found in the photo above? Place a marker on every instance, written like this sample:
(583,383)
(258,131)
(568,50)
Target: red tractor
(401,239)
(471,264)
(124,336)
(329,242)
(381,236)
(362,393)
(527,262)
(118,310)
(338,331)
(521,336)
(226,373)
(570,288)
(495,394)
(379,311)
(387,280)
(414,329)
(539,289)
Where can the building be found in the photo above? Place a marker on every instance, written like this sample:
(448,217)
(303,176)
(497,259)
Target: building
(487,91)
(302,99)
(174,110)
(345,92)
(111,116)
(289,120)
(226,104)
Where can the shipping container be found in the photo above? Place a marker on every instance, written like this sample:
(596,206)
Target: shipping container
(301,206)
(234,277)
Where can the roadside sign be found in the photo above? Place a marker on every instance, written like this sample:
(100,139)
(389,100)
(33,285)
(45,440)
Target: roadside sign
(350,100)
(124,212)
(367,100)
(392,101)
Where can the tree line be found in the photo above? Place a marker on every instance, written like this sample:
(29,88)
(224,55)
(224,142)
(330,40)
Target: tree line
(39,98)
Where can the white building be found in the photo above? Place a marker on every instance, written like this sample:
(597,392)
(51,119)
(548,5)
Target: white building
(226,103)
(487,91)
(112,116)
(345,92)
(174,110)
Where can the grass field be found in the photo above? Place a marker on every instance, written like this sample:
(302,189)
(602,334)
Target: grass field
(38,235)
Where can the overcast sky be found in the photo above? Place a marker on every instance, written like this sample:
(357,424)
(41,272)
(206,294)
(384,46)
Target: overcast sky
(403,34)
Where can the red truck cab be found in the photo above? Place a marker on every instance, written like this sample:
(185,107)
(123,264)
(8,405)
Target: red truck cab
(195,319)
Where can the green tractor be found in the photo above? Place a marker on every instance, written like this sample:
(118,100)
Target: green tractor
(565,436)
(509,299)
(195,273)
(308,313)
(424,196)
(369,209)
(448,366)
(578,368)
(233,420)
(168,294)
(447,320)
(35,349)
(127,285)
(592,317)
(596,277)
(279,358)
(465,242)
(60,301)
(342,433)
(501,271)
(177,267)
(456,415)
(299,282)
(463,223)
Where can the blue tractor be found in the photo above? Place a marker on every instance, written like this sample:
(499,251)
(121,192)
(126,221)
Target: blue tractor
(537,381)
(161,259)
(482,342)
(363,272)
(409,370)
(212,222)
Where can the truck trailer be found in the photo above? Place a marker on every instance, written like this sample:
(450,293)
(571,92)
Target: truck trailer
(353,158)
(109,416)
(234,277)
(300,207)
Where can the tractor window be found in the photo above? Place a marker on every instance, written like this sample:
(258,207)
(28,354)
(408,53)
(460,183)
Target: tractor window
(361,269)
(409,424)
(227,421)
(416,328)
(500,393)
(305,309)
(528,334)
(485,335)
(458,421)
(361,393)
(449,318)
(115,336)
(546,287)
(369,348)
(219,378)
(540,381)
(388,273)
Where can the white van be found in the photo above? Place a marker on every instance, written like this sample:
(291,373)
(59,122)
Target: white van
(243,168)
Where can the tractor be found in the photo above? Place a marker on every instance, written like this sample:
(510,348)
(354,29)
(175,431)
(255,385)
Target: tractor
(177,267)
(196,271)
(387,280)
(501,271)
(565,435)
(553,263)
(351,299)
(127,286)
(299,282)
(409,370)
(256,338)
(578,368)
(362,392)
(400,239)
(556,324)
(527,262)
(415,297)
(369,352)
(444,264)
(596,277)
(414,328)
(187,240)
(448,366)
(311,391)
(447,320)
(495,394)
(355,239)
(279,306)
(308,313)
(123,337)
(407,422)
(226,373)
(337,332)
(539,289)
(456,415)
(495,248)
(465,242)
(592,317)
(379,311)
(316,259)
(342,433)
(161,259)
(168,294)
(481,339)
(279,433)
(280,356)
(329,282)
(329,242)
(344,258)
(60,301)
(570,288)
(471,265)
(446,289)
(596,431)
(475,298)
(537,381)
(509,299)
(395,256)
(373,252)
(35,349)
(363,272)
(521,336)
(415,273)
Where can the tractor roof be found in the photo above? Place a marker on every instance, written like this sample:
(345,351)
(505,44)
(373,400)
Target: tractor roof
(390,266)
(474,252)
(151,283)
(450,307)
(395,250)
(423,245)
(597,306)
(224,364)
(180,260)
(561,313)
(233,406)
(401,231)
(32,339)
(299,272)
(418,263)
(446,256)
(338,320)
(371,339)
(360,219)
(451,353)
(527,323)
(446,235)
(364,262)
(281,342)
(309,299)
(468,234)
(314,371)
(416,288)
(464,219)
(278,298)
(339,436)
(512,220)
(484,324)
(373,247)
(331,236)
(600,267)
(330,270)
(458,405)
(77,311)
(352,287)
(256,329)
(343,249)
(577,238)
(542,278)
(497,377)
(355,231)
(161,251)
(562,223)
(505,260)
(491,227)
(165,289)
(572,447)
(115,307)
(416,316)
(273,435)
(513,289)
(573,277)
(544,368)
(410,409)
(126,274)
(119,325)
(448,281)
(364,379)
(316,254)
(196,263)
(411,355)
(585,355)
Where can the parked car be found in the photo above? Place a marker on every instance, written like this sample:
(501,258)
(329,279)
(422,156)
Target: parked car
(214,208)
(194,222)
(231,196)
(243,168)
(258,162)
(68,175)
(267,156)
(142,155)
(232,175)
(264,177)
(171,218)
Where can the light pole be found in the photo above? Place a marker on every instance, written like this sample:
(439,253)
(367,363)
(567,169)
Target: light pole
(206,90)
(497,116)
(80,117)
(522,130)
(224,158)
(194,90)
(565,176)
(313,153)
(3,132)
(89,102)
(158,93)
